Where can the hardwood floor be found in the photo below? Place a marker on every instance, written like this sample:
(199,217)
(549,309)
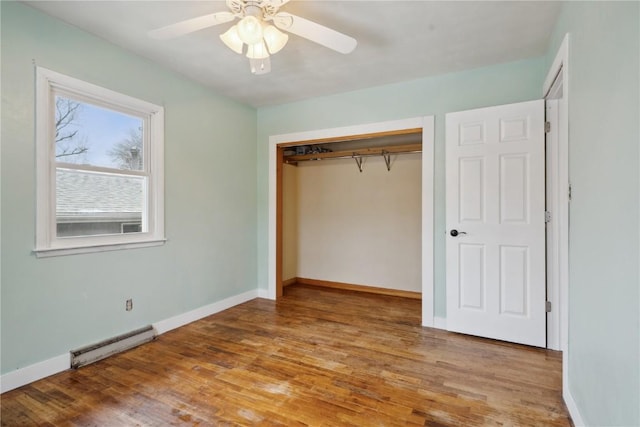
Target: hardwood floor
(319,357)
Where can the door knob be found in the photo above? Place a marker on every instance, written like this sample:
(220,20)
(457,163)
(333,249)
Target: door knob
(454,233)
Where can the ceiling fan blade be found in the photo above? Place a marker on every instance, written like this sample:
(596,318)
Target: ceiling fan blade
(190,25)
(315,32)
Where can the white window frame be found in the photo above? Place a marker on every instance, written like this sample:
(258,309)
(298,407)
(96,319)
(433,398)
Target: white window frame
(48,85)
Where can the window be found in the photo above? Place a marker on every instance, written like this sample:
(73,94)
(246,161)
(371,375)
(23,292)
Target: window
(100,182)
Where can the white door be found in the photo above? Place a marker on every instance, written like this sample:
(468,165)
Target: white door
(495,217)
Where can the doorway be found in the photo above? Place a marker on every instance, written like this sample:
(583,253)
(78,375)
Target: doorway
(557,199)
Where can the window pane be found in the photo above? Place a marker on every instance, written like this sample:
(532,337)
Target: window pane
(92,135)
(90,203)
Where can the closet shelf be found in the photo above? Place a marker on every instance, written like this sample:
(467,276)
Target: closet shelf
(350,154)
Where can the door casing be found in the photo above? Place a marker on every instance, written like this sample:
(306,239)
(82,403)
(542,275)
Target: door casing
(556,87)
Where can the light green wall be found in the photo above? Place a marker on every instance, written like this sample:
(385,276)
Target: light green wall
(604,91)
(500,84)
(50,306)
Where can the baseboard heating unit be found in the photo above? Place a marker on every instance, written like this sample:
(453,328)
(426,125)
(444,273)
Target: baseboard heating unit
(92,353)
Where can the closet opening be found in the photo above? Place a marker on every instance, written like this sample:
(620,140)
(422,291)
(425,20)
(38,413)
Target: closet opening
(349,213)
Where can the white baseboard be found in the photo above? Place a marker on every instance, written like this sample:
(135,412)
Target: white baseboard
(37,371)
(576,417)
(191,316)
(440,322)
(263,293)
(34,372)
(572,407)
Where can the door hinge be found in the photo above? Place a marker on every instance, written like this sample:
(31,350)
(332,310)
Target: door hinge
(547,126)
(569,192)
(547,306)
(547,216)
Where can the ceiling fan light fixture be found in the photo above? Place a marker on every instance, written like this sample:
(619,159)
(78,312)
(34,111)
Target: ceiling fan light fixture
(274,38)
(250,30)
(232,39)
(257,51)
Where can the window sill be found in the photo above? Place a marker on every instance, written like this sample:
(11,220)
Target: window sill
(52,252)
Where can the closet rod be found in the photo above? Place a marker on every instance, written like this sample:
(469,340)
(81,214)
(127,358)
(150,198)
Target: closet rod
(350,154)
(353,155)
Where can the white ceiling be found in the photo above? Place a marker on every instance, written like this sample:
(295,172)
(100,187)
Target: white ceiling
(397,41)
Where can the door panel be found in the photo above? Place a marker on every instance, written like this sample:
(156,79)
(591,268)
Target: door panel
(514,283)
(495,200)
(514,188)
(471,189)
(471,279)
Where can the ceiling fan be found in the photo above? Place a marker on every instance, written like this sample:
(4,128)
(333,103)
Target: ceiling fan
(254,29)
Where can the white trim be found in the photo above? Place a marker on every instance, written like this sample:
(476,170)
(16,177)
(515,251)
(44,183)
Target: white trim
(552,230)
(427,125)
(440,322)
(48,84)
(191,316)
(31,373)
(93,93)
(428,219)
(561,65)
(576,417)
(40,370)
(46,253)
(263,293)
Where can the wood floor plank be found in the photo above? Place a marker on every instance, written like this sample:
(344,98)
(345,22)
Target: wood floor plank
(318,357)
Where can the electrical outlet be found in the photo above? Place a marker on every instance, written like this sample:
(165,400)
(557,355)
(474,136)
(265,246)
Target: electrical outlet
(129,305)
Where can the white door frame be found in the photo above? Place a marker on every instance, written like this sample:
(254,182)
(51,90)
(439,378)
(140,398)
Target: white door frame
(559,287)
(428,135)
(552,206)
